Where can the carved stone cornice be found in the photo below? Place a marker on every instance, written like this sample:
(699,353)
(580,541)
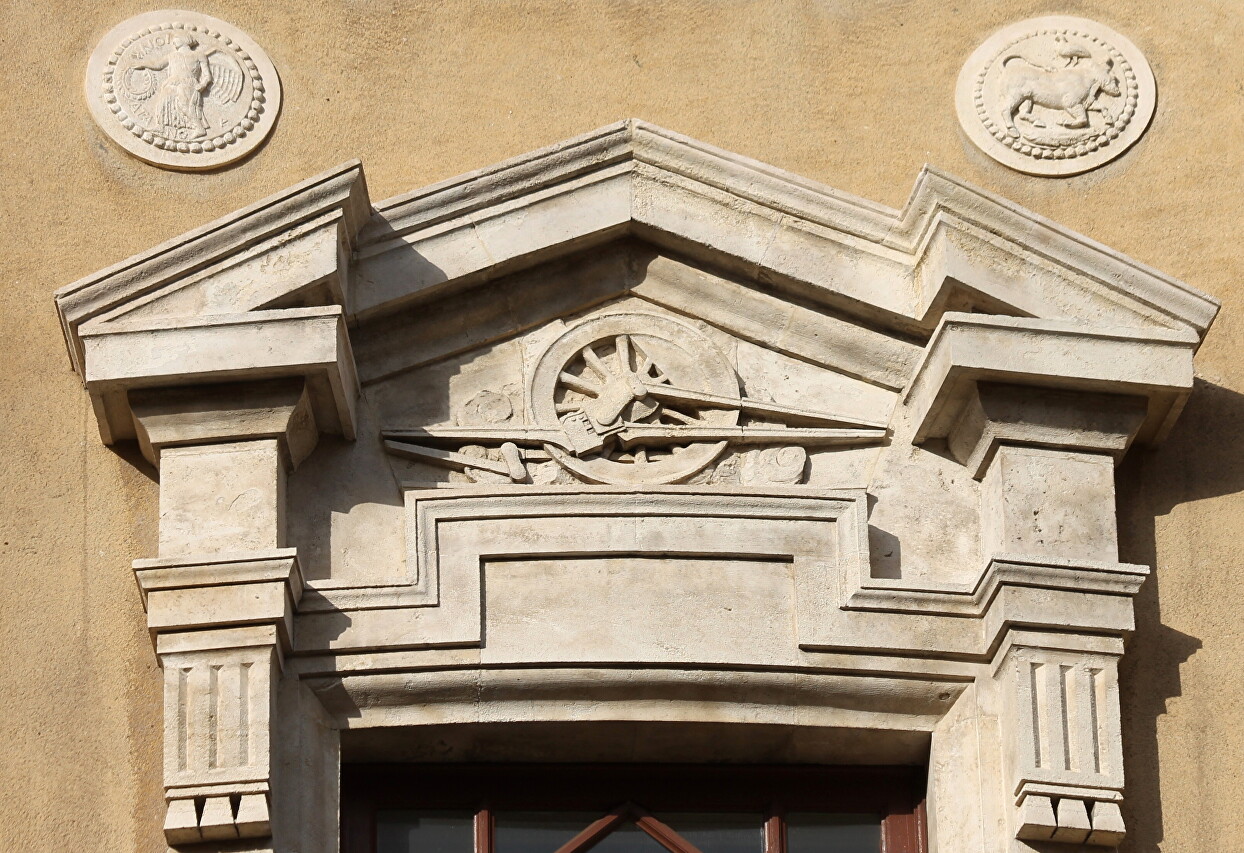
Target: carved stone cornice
(903,269)
(633,177)
(308,344)
(1100,362)
(255,243)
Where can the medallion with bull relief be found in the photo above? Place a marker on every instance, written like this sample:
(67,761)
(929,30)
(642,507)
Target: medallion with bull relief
(182,90)
(1055,96)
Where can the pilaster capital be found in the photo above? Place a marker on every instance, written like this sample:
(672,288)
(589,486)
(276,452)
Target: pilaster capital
(988,380)
(274,409)
(167,362)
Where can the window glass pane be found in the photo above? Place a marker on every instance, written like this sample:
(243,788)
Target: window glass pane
(719,833)
(628,838)
(538,832)
(833,833)
(424,832)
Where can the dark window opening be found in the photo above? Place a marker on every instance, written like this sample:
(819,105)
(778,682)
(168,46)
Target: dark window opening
(631,808)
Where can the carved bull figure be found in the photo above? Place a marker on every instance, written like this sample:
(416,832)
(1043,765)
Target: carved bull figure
(1073,89)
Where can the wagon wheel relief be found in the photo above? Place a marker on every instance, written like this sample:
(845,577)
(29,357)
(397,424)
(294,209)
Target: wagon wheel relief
(607,376)
(630,399)
(612,391)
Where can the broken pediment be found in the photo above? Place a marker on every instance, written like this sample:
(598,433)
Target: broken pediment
(628,410)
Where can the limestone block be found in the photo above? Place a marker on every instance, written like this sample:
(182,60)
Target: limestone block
(653,608)
(216,821)
(277,409)
(181,822)
(1108,829)
(1049,503)
(252,820)
(1036,819)
(1073,821)
(222,498)
(1038,417)
(971,348)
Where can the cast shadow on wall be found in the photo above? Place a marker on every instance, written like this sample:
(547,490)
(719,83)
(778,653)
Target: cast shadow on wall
(1199,460)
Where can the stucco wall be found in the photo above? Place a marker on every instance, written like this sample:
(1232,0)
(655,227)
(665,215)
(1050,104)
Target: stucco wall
(854,93)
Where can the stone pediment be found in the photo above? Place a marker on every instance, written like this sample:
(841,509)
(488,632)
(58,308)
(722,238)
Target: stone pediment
(630,410)
(319,249)
(951,243)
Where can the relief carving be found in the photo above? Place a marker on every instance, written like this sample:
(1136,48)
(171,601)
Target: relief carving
(182,90)
(630,398)
(1055,96)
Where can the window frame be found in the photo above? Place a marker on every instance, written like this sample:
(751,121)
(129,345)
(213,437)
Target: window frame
(896,793)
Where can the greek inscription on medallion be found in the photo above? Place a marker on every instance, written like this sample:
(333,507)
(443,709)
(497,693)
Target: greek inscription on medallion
(1055,96)
(182,90)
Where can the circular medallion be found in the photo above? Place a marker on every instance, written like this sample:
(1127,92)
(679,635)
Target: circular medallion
(608,375)
(1055,96)
(182,90)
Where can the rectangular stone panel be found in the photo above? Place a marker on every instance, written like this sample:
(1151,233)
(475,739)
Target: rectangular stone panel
(640,607)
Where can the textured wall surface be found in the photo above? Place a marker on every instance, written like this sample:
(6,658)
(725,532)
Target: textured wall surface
(854,93)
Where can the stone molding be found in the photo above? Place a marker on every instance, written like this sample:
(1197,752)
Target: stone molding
(629,173)
(773,568)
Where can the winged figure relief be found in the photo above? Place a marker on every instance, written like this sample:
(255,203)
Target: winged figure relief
(181,81)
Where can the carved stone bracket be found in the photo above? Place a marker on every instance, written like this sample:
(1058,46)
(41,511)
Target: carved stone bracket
(1061,724)
(1040,411)
(222,595)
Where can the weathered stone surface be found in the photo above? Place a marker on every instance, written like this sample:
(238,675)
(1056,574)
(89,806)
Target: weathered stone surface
(689,485)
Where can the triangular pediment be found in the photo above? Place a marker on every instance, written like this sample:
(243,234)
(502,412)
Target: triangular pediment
(771,257)
(951,244)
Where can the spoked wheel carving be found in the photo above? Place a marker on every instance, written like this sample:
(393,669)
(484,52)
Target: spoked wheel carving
(604,375)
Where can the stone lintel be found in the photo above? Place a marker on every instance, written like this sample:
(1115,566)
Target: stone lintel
(195,593)
(1100,363)
(310,344)
(278,409)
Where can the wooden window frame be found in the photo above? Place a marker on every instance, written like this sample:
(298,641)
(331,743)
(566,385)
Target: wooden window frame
(630,791)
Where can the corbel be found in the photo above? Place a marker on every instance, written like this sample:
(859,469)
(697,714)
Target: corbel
(1061,737)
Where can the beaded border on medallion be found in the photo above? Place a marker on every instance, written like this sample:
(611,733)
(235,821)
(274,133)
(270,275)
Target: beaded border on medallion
(215,57)
(1077,96)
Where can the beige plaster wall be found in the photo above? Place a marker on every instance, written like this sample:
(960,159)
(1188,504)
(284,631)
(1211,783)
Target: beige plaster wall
(854,93)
